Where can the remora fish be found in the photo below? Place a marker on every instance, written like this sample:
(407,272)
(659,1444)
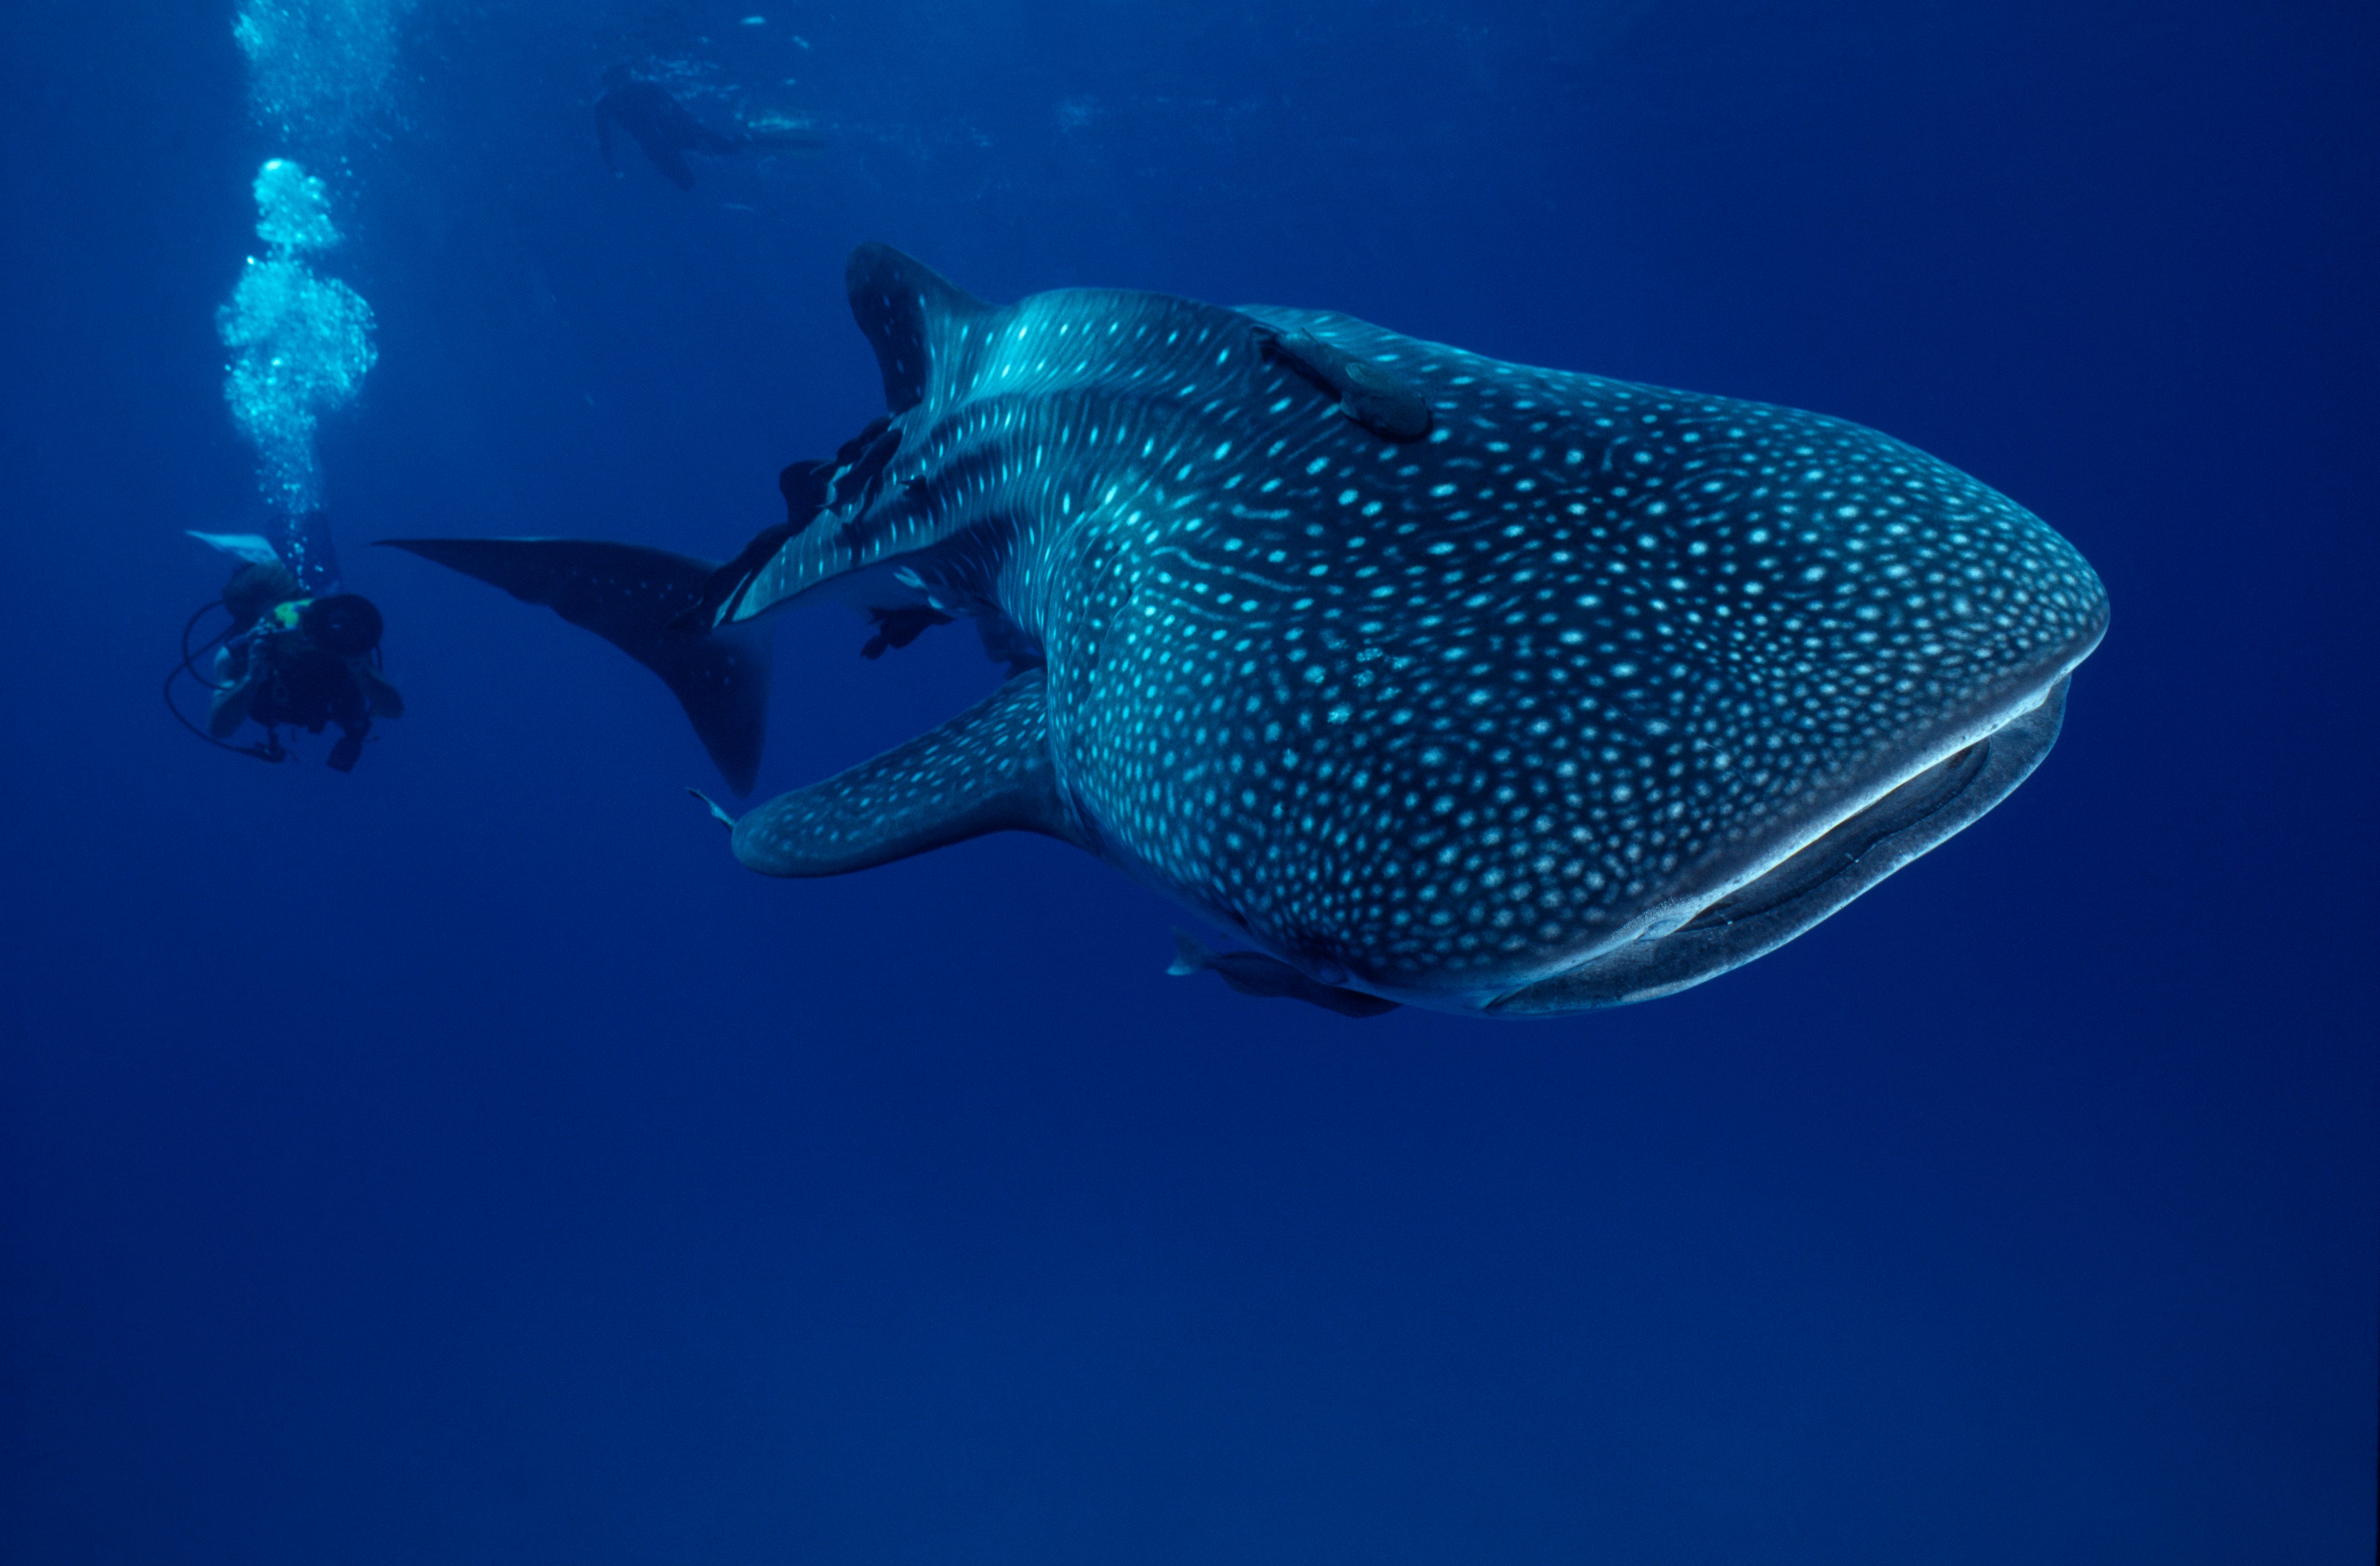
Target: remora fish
(1441,680)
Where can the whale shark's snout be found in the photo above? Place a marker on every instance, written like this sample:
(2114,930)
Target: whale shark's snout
(1805,879)
(1988,691)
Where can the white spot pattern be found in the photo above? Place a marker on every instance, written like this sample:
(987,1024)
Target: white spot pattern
(1442,715)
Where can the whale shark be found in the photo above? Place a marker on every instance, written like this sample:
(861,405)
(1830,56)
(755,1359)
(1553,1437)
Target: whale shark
(1436,680)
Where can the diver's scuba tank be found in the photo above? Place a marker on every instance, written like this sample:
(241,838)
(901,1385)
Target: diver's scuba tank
(255,591)
(346,623)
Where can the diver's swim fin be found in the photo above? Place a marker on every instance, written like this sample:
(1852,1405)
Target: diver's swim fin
(633,597)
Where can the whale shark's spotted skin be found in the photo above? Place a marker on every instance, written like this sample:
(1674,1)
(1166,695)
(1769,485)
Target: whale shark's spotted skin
(1440,718)
(1529,713)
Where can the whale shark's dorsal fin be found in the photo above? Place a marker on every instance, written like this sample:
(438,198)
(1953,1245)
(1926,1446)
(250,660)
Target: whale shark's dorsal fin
(905,307)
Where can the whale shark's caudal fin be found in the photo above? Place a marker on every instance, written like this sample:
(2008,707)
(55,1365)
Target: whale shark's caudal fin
(635,598)
(913,317)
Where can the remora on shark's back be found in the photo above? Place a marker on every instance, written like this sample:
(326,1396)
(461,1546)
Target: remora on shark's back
(1441,680)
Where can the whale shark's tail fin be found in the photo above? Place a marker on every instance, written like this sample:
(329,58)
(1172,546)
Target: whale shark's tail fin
(637,599)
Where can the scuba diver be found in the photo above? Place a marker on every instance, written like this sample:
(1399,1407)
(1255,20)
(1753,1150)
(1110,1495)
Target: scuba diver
(666,131)
(288,658)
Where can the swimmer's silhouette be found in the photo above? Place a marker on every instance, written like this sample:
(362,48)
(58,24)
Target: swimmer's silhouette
(661,126)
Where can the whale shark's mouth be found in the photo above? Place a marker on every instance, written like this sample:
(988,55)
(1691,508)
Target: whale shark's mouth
(1807,884)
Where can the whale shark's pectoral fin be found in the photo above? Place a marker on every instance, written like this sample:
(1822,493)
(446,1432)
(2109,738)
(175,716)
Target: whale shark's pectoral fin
(1253,973)
(637,600)
(988,770)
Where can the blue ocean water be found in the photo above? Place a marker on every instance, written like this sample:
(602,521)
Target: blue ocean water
(465,1160)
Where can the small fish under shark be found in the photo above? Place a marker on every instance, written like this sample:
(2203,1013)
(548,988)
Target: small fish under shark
(1441,681)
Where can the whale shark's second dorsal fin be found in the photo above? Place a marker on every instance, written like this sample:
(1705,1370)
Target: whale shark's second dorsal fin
(912,315)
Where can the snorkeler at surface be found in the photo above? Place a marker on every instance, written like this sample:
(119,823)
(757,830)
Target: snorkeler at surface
(304,662)
(666,131)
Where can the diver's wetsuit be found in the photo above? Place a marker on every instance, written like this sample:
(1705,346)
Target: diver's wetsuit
(661,125)
(306,663)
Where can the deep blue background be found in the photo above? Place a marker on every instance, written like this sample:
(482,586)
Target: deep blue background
(464,1161)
